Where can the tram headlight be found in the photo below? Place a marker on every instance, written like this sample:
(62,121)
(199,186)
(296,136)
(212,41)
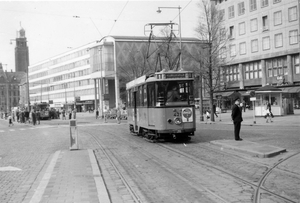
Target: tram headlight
(177,121)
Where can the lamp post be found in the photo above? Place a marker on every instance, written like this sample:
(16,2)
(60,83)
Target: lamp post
(180,45)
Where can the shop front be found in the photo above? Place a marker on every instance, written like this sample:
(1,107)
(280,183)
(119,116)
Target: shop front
(225,100)
(281,103)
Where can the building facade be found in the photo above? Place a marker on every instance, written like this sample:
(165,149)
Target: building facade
(9,89)
(88,77)
(13,85)
(263,48)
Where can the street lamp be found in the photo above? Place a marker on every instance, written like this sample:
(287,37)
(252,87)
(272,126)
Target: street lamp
(159,11)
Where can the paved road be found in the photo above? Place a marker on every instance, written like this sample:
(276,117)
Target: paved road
(25,150)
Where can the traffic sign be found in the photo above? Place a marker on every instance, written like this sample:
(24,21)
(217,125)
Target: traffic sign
(252,98)
(252,93)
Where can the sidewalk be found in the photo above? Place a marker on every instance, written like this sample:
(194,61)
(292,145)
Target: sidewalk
(225,118)
(71,176)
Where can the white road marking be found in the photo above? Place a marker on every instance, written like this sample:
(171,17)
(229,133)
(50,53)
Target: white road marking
(9,168)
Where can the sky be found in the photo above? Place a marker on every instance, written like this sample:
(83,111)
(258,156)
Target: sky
(55,27)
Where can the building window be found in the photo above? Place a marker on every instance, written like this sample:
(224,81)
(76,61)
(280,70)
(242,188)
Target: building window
(293,36)
(253,5)
(232,73)
(296,63)
(241,8)
(223,52)
(231,12)
(277,67)
(266,43)
(242,28)
(265,22)
(253,24)
(252,70)
(243,48)
(254,45)
(277,18)
(222,14)
(231,32)
(293,13)
(222,34)
(232,50)
(277,1)
(278,40)
(264,3)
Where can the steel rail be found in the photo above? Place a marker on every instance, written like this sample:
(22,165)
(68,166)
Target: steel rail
(232,175)
(256,198)
(129,188)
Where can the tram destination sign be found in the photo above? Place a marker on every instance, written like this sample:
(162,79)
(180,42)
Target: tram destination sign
(175,75)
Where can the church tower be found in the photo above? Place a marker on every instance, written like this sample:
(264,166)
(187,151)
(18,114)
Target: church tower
(21,52)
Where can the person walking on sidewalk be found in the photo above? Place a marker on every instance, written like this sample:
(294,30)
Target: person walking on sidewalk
(215,110)
(97,114)
(10,121)
(236,116)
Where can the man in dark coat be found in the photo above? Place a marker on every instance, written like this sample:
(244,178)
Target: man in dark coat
(236,116)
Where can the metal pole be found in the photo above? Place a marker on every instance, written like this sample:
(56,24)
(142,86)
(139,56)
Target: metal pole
(181,67)
(253,104)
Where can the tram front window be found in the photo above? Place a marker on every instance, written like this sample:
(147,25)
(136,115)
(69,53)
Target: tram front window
(174,93)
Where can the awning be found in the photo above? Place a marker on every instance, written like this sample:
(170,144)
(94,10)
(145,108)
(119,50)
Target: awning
(227,94)
(291,89)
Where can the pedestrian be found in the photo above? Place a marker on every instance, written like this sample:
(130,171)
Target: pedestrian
(269,108)
(207,116)
(236,116)
(268,113)
(97,114)
(215,110)
(33,116)
(10,122)
(38,117)
(70,115)
(18,115)
(244,105)
(63,115)
(119,115)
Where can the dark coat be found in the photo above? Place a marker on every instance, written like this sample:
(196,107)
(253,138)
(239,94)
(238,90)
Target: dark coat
(236,113)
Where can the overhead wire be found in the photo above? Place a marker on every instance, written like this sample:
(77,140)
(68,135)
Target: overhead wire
(118,17)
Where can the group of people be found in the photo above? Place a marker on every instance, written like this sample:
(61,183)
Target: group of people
(24,116)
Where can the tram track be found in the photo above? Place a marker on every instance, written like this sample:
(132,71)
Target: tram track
(257,193)
(257,188)
(133,194)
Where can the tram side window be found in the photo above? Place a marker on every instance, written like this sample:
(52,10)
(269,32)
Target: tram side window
(129,98)
(138,97)
(151,95)
(145,94)
(141,95)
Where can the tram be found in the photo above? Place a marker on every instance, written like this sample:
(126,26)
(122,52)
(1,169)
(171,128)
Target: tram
(161,105)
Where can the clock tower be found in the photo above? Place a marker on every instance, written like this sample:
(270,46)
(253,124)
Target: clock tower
(21,52)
